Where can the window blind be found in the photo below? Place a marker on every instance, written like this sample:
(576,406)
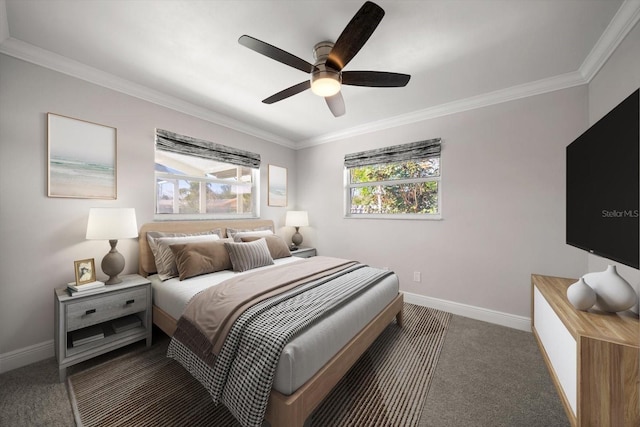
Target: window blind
(181,144)
(396,153)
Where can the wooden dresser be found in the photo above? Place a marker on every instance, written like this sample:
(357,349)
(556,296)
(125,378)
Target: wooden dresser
(593,357)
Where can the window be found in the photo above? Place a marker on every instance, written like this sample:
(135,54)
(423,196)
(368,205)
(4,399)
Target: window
(200,179)
(399,182)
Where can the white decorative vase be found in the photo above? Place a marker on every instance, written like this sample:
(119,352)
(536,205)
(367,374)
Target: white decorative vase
(613,293)
(581,295)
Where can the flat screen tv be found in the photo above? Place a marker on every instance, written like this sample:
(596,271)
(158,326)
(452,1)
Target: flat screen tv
(603,186)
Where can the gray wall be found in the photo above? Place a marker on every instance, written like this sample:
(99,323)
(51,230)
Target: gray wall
(503,203)
(40,237)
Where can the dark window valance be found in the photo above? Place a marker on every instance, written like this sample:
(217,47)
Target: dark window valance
(175,143)
(397,153)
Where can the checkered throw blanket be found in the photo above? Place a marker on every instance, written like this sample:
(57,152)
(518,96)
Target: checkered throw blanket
(242,374)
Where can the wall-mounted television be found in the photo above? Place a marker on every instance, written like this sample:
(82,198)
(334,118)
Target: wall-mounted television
(603,186)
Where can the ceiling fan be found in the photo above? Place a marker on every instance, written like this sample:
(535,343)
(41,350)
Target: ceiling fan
(330,58)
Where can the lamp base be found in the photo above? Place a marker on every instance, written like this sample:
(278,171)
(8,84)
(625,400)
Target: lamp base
(296,239)
(113,264)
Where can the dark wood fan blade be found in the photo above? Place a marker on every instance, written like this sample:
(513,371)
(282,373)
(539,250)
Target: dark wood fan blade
(336,104)
(290,91)
(276,53)
(355,35)
(374,78)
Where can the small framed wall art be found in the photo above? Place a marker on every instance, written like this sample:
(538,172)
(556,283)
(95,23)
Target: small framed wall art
(85,271)
(277,186)
(82,158)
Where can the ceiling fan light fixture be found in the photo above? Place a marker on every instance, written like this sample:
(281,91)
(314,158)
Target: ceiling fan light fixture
(325,82)
(326,75)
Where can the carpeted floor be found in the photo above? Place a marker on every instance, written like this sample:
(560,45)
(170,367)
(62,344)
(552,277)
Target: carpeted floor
(486,376)
(387,386)
(33,396)
(491,376)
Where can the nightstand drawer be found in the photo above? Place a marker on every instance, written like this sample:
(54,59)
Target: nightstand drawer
(304,252)
(96,310)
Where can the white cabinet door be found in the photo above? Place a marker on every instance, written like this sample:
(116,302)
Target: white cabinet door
(560,346)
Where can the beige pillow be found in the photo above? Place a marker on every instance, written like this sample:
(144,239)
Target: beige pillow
(153,236)
(195,259)
(277,246)
(246,256)
(166,262)
(236,233)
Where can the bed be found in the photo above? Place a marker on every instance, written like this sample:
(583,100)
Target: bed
(303,386)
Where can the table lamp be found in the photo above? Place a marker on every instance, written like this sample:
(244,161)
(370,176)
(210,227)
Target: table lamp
(297,219)
(112,224)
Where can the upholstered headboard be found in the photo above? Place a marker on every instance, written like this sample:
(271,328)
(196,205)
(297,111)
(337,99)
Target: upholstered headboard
(147,263)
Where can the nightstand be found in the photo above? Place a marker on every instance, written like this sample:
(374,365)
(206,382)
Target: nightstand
(90,325)
(303,252)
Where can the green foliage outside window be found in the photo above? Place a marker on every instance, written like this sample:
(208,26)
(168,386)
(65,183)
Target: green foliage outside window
(409,187)
(402,170)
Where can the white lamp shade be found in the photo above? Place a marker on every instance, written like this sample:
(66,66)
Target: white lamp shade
(297,219)
(112,223)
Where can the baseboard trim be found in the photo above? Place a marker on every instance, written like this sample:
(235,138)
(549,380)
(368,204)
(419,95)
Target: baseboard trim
(37,352)
(26,356)
(491,316)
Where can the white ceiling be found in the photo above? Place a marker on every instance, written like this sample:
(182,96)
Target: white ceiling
(184,54)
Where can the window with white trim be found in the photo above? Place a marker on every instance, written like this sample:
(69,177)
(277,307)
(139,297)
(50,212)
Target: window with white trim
(201,179)
(399,182)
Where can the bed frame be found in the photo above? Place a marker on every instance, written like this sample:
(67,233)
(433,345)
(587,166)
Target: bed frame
(282,410)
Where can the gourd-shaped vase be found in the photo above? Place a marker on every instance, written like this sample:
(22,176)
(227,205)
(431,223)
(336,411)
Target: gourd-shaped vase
(613,293)
(581,295)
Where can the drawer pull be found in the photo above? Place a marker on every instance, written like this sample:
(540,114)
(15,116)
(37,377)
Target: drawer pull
(131,301)
(93,310)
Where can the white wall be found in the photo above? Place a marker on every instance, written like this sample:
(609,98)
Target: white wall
(503,203)
(617,79)
(40,237)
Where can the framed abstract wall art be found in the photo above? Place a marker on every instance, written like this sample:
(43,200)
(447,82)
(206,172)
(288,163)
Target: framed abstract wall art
(82,158)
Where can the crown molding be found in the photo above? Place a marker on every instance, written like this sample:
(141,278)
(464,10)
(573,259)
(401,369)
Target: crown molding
(538,87)
(622,23)
(35,55)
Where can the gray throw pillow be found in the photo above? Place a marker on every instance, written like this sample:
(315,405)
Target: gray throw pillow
(246,256)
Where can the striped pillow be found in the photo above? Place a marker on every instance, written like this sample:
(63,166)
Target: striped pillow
(246,256)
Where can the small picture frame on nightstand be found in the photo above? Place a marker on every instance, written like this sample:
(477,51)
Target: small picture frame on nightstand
(85,270)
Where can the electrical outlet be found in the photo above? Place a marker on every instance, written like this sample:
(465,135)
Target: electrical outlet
(416,276)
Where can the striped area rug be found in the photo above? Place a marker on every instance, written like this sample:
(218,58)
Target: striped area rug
(386,387)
